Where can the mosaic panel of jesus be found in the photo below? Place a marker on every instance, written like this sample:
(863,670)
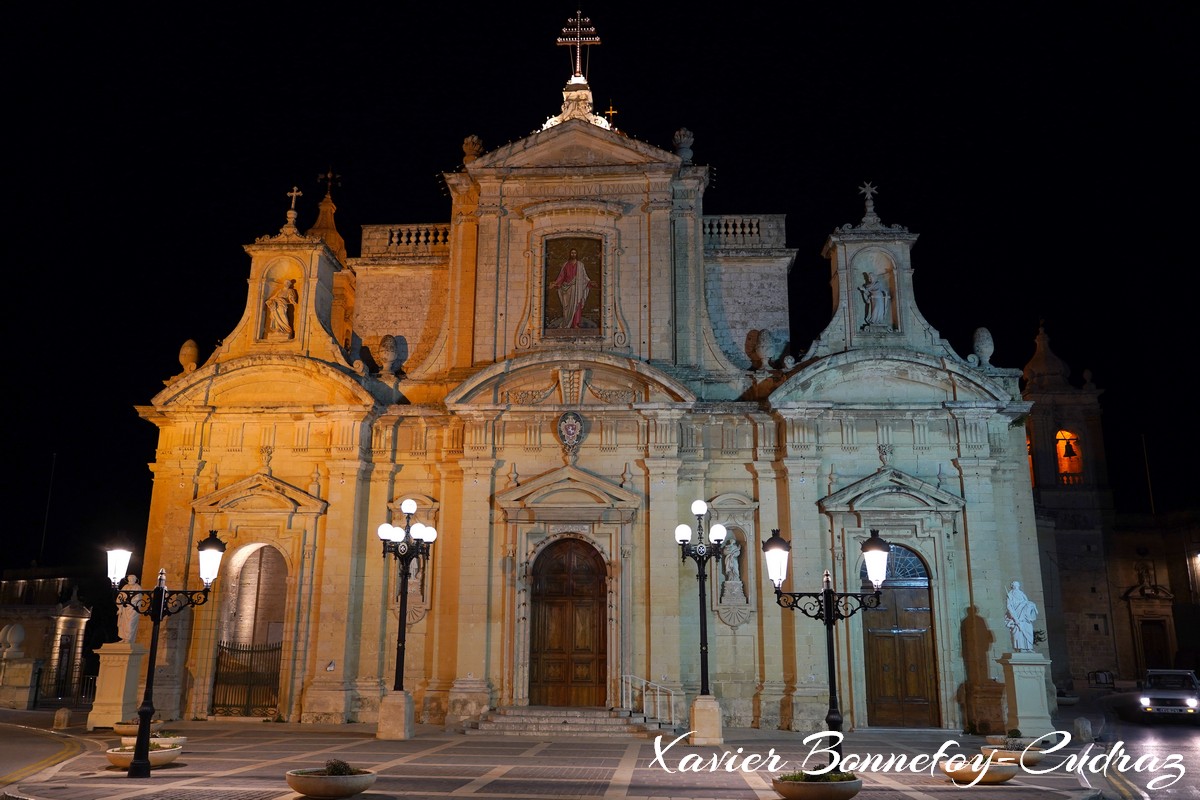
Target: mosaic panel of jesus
(574,275)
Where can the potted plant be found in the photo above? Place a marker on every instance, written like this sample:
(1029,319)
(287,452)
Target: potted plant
(129,727)
(163,738)
(830,785)
(336,779)
(976,770)
(1016,751)
(159,755)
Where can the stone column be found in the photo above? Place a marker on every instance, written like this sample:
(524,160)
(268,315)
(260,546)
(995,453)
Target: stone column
(470,694)
(116,685)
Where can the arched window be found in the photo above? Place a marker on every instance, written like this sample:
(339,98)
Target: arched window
(904,567)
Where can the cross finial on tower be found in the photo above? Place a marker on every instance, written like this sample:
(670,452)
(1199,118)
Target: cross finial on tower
(869,191)
(294,193)
(612,112)
(579,31)
(330,178)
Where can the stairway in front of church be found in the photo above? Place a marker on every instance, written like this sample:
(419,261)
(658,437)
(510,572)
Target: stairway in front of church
(566,722)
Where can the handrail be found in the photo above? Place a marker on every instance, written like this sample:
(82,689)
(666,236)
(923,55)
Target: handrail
(635,688)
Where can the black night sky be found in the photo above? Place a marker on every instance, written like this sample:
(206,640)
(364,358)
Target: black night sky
(1045,154)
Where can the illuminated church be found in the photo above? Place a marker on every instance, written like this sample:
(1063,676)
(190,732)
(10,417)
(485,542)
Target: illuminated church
(554,373)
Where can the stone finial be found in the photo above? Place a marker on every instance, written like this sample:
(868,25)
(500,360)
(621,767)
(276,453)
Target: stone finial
(984,346)
(472,148)
(387,355)
(683,144)
(188,355)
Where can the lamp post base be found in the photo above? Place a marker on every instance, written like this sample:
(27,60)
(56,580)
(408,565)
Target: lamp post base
(395,717)
(706,721)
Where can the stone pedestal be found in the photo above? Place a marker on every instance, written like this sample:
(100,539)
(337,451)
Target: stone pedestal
(395,716)
(18,682)
(706,721)
(117,684)
(1025,685)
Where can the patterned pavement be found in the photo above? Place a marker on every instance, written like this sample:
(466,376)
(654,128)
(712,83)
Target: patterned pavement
(227,760)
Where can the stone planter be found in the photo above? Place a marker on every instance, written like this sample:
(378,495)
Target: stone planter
(816,790)
(967,773)
(131,728)
(161,741)
(1024,757)
(123,756)
(314,783)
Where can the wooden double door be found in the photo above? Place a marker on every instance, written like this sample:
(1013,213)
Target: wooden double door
(901,666)
(568,658)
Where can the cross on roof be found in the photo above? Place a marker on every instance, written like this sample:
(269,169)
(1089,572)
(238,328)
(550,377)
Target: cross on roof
(294,193)
(612,112)
(331,178)
(582,33)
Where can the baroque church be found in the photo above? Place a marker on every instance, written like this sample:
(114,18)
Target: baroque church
(554,374)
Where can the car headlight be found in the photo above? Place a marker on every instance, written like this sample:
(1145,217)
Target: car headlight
(1192,702)
(1144,701)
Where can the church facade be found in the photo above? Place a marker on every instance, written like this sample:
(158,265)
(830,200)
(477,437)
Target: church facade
(553,375)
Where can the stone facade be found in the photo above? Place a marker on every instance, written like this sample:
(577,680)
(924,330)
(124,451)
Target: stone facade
(438,364)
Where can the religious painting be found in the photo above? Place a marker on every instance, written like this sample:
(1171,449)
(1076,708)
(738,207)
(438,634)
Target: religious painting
(574,277)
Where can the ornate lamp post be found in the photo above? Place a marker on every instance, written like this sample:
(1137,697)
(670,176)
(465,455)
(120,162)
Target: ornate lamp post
(706,712)
(405,545)
(827,605)
(156,604)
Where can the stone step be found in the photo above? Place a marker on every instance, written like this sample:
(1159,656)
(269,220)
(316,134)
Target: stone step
(546,721)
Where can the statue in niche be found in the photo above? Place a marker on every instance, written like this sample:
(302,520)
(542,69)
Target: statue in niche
(279,310)
(731,587)
(878,301)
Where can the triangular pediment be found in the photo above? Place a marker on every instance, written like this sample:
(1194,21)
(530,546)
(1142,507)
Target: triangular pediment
(553,378)
(569,494)
(270,382)
(574,143)
(259,493)
(891,490)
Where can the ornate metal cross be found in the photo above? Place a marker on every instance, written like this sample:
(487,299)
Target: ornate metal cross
(582,33)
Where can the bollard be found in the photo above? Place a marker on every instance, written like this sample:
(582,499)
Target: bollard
(62,719)
(1083,730)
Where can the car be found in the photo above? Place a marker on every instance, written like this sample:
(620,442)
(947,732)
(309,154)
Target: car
(1169,693)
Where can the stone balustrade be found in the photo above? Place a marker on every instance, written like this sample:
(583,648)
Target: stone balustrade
(721,232)
(732,231)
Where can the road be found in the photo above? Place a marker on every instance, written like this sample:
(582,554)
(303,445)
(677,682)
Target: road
(25,750)
(1161,758)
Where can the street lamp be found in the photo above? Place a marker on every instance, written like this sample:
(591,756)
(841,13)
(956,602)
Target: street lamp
(706,713)
(405,545)
(827,605)
(156,604)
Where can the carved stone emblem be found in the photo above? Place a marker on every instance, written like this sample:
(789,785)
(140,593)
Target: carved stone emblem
(570,433)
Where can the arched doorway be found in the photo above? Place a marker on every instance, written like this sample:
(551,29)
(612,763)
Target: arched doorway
(899,647)
(568,648)
(250,647)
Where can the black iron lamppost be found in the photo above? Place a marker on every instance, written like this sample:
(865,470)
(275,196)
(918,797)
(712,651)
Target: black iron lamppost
(406,545)
(706,714)
(827,605)
(156,604)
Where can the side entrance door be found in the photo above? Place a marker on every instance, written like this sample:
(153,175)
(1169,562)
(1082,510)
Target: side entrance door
(568,659)
(901,667)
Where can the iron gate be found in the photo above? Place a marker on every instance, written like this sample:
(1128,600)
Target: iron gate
(247,680)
